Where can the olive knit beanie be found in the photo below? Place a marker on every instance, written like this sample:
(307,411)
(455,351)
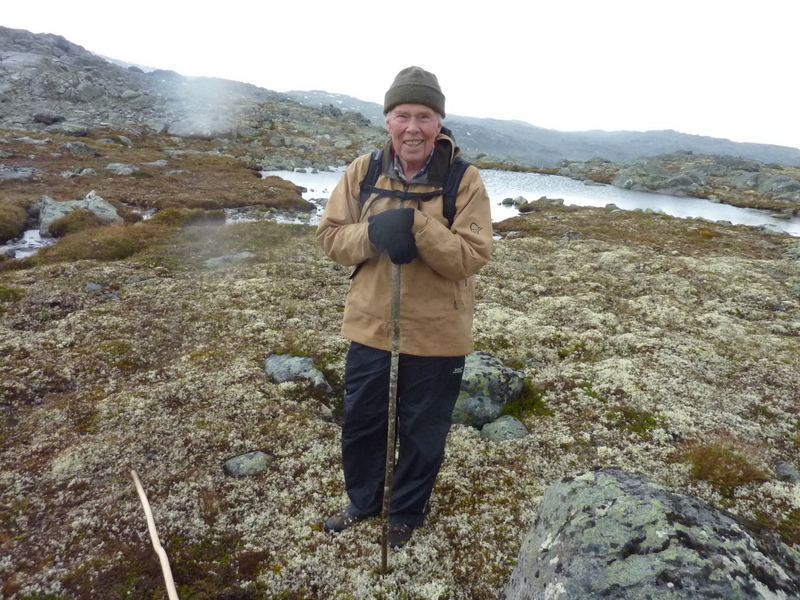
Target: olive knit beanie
(417,86)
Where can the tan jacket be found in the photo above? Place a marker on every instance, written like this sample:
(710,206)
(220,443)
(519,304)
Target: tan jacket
(438,289)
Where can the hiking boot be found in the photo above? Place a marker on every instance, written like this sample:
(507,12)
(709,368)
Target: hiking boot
(341,521)
(399,534)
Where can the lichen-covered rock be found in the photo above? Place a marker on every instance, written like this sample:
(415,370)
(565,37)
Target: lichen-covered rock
(52,209)
(642,175)
(122,168)
(285,367)
(786,471)
(78,148)
(248,463)
(24,173)
(612,534)
(485,389)
(503,429)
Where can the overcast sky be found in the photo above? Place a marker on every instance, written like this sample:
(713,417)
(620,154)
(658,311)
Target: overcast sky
(723,68)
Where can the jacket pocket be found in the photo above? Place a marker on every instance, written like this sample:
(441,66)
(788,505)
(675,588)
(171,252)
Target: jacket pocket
(460,293)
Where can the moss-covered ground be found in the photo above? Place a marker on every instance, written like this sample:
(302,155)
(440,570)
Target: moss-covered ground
(664,346)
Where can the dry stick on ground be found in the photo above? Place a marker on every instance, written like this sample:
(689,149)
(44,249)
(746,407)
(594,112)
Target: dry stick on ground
(151,525)
(392,431)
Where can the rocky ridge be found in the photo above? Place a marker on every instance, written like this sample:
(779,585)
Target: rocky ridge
(732,180)
(52,85)
(517,142)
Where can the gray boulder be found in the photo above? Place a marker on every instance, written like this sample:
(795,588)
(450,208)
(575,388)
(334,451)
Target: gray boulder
(23,173)
(738,163)
(285,367)
(486,387)
(503,429)
(642,175)
(73,129)
(747,180)
(786,471)
(48,117)
(781,187)
(649,176)
(612,534)
(122,168)
(79,148)
(248,463)
(684,182)
(50,210)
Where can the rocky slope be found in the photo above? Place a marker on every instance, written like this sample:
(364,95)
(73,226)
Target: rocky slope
(50,85)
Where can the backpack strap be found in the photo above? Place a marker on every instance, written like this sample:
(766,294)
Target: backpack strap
(449,194)
(454,175)
(373,171)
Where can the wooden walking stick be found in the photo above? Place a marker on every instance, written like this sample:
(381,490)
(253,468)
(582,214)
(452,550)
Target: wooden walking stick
(392,429)
(151,525)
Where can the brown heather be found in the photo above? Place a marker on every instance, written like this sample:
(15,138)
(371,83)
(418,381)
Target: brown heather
(724,462)
(74,221)
(12,219)
(174,173)
(642,339)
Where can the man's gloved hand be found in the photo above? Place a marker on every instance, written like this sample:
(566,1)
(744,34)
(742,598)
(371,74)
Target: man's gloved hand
(390,232)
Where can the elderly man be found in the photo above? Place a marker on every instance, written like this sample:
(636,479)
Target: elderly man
(402,222)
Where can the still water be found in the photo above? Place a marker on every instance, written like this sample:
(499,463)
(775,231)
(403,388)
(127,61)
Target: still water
(532,186)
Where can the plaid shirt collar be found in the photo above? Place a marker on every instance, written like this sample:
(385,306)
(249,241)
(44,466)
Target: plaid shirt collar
(419,177)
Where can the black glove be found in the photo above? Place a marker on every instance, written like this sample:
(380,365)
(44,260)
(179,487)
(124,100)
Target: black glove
(390,232)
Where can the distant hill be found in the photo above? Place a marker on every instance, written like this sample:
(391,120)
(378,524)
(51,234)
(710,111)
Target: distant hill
(50,84)
(537,146)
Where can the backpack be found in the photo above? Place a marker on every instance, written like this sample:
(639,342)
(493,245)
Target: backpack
(450,191)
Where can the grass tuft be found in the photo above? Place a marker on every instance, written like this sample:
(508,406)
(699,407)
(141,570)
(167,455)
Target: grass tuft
(531,403)
(634,421)
(116,242)
(12,220)
(180,217)
(9,293)
(723,462)
(76,220)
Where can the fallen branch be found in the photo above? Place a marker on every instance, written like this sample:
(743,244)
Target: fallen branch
(151,525)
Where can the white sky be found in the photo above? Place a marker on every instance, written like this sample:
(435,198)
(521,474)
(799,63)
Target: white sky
(724,68)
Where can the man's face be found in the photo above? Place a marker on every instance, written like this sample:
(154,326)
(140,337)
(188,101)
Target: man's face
(413,128)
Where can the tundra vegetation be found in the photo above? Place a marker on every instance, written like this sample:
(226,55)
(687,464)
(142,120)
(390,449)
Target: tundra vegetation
(664,346)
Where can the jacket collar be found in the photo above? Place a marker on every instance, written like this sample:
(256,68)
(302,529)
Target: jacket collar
(444,152)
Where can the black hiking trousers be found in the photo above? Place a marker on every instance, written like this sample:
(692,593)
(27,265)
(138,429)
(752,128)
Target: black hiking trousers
(427,390)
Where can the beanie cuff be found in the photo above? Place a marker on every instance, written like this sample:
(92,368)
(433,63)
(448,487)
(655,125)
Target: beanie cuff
(415,86)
